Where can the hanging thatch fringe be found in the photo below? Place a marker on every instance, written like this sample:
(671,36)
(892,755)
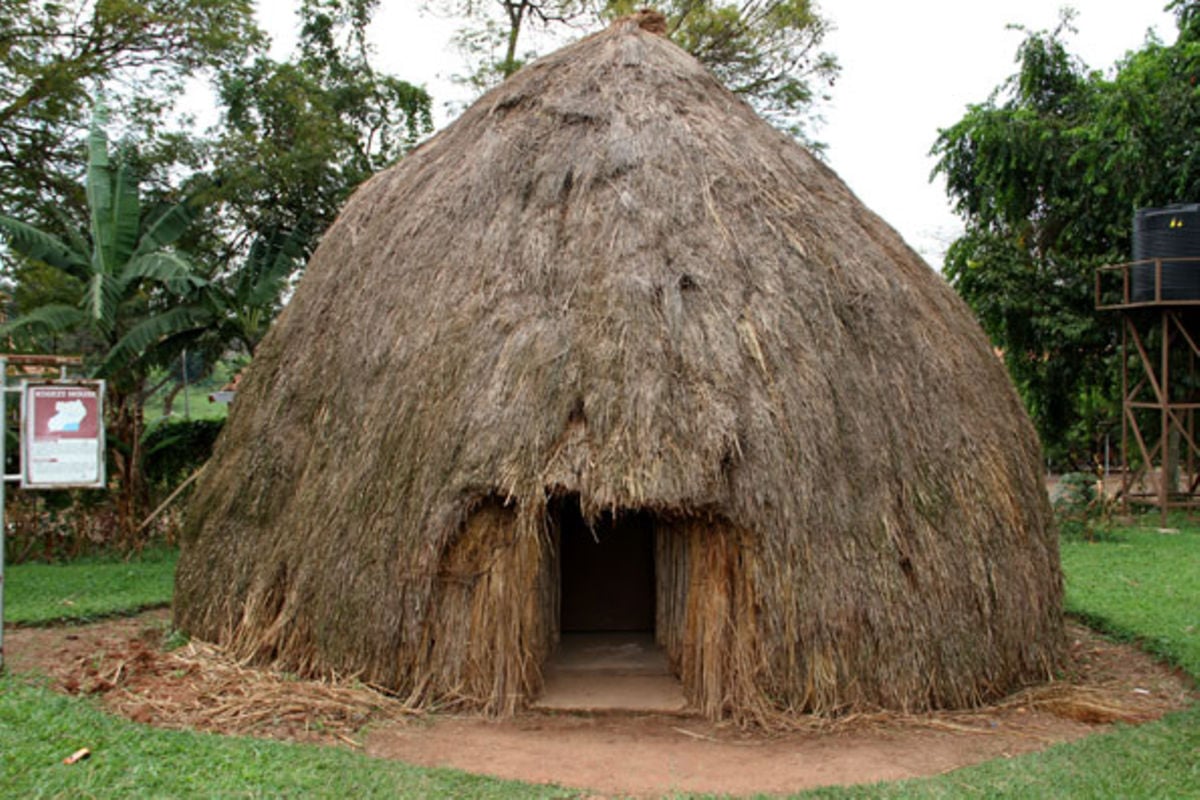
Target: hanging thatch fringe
(610,280)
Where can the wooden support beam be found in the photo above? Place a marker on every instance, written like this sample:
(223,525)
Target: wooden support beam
(34,360)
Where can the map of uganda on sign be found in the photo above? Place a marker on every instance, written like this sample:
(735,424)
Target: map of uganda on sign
(64,435)
(68,416)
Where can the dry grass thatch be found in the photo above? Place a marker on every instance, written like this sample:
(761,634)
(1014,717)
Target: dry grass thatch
(609,279)
(199,687)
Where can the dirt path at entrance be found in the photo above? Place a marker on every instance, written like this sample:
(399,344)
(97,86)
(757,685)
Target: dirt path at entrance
(655,755)
(124,662)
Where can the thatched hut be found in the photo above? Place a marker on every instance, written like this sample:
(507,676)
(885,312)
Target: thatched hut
(611,303)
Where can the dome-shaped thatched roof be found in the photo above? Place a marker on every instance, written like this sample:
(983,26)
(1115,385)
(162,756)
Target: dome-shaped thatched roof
(610,283)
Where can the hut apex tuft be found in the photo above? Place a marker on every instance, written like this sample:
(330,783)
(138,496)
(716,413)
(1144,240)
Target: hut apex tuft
(610,353)
(648,20)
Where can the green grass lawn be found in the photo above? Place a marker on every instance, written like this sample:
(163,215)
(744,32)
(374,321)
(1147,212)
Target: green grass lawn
(37,594)
(1142,585)
(1138,584)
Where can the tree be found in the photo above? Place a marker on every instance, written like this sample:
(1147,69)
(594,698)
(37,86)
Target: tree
(1046,174)
(297,137)
(765,50)
(55,56)
(131,288)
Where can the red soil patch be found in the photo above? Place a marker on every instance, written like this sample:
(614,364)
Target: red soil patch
(196,686)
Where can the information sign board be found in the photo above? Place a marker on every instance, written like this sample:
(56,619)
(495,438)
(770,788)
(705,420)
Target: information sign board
(63,436)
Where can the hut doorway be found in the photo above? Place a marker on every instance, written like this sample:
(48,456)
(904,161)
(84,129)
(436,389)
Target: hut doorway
(606,570)
(607,655)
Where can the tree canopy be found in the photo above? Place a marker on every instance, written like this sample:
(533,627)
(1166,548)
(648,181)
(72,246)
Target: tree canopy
(296,137)
(1047,173)
(56,57)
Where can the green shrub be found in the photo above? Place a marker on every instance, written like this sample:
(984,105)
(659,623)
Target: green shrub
(174,449)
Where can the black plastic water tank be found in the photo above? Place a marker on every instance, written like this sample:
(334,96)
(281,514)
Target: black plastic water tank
(1169,233)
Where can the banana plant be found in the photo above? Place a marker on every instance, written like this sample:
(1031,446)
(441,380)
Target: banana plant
(128,270)
(244,302)
(231,310)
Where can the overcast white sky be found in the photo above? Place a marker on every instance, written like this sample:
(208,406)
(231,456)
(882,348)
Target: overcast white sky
(908,69)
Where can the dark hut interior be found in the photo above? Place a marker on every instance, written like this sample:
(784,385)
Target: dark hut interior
(606,569)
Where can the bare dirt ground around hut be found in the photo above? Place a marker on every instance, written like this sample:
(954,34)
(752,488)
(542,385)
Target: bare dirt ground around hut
(126,663)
